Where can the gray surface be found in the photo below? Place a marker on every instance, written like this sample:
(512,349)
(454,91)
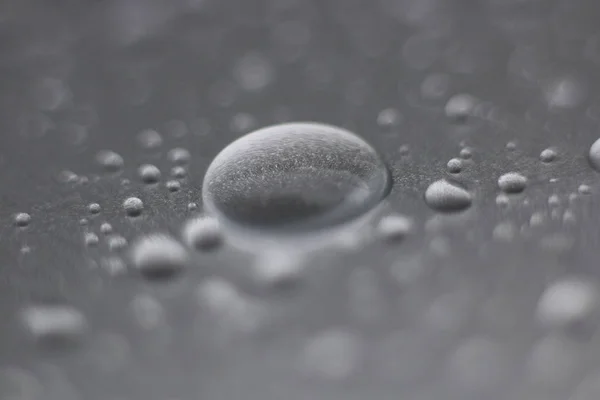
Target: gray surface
(451,311)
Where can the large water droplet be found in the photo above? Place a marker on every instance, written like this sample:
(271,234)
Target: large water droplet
(445,196)
(295,177)
(594,155)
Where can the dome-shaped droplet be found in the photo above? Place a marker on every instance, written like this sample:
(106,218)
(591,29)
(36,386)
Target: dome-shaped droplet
(454,166)
(149,173)
(202,233)
(548,155)
(594,155)
(512,182)
(158,256)
(295,177)
(133,206)
(445,196)
(22,219)
(109,160)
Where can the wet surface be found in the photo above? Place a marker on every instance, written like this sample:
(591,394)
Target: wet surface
(114,284)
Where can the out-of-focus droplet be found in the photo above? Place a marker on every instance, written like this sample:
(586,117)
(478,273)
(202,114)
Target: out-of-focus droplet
(91,239)
(54,322)
(158,256)
(460,107)
(179,156)
(253,72)
(388,118)
(203,233)
(116,242)
(332,355)
(109,160)
(445,196)
(150,139)
(395,227)
(567,92)
(567,301)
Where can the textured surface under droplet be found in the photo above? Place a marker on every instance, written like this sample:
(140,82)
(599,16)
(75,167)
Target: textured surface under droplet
(445,196)
(296,176)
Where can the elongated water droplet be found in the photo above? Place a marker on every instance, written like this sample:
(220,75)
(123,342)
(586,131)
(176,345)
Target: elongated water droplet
(512,182)
(445,196)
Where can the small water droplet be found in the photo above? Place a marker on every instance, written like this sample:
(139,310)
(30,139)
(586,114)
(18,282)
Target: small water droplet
(203,233)
(466,153)
(179,156)
(178,172)
(567,301)
(584,189)
(454,166)
(502,200)
(278,269)
(106,228)
(388,118)
(173,186)
(445,196)
(150,139)
(149,173)
(109,160)
(158,256)
(395,227)
(459,107)
(113,265)
(54,323)
(133,206)
(511,146)
(512,182)
(554,201)
(548,155)
(94,208)
(192,206)
(569,217)
(22,219)
(594,155)
(91,239)
(295,177)
(116,242)
(84,221)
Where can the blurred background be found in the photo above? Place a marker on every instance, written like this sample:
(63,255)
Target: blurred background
(473,275)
